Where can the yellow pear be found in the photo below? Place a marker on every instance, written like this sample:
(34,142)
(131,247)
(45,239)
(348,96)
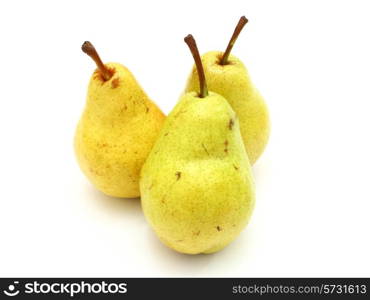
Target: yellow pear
(117,130)
(227,76)
(196,186)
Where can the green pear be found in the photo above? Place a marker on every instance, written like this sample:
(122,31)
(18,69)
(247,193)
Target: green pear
(117,129)
(196,186)
(227,76)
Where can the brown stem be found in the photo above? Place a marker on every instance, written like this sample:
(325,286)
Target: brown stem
(242,21)
(90,50)
(190,41)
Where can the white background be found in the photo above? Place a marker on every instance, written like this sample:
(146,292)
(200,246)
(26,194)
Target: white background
(310,60)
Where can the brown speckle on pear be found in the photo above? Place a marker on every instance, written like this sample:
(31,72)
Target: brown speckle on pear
(231,124)
(115,83)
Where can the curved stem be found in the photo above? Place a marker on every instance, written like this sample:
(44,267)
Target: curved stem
(242,21)
(190,41)
(90,50)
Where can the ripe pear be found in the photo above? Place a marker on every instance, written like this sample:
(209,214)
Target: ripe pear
(196,186)
(117,130)
(227,76)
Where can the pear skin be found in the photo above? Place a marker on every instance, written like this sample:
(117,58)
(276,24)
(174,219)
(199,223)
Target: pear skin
(116,132)
(196,185)
(232,81)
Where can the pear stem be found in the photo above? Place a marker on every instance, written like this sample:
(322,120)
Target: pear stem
(242,21)
(90,50)
(190,41)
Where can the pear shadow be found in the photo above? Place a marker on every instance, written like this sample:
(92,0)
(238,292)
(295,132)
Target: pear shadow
(113,205)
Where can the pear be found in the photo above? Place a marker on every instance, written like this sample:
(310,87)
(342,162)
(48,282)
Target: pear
(227,76)
(196,186)
(117,130)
